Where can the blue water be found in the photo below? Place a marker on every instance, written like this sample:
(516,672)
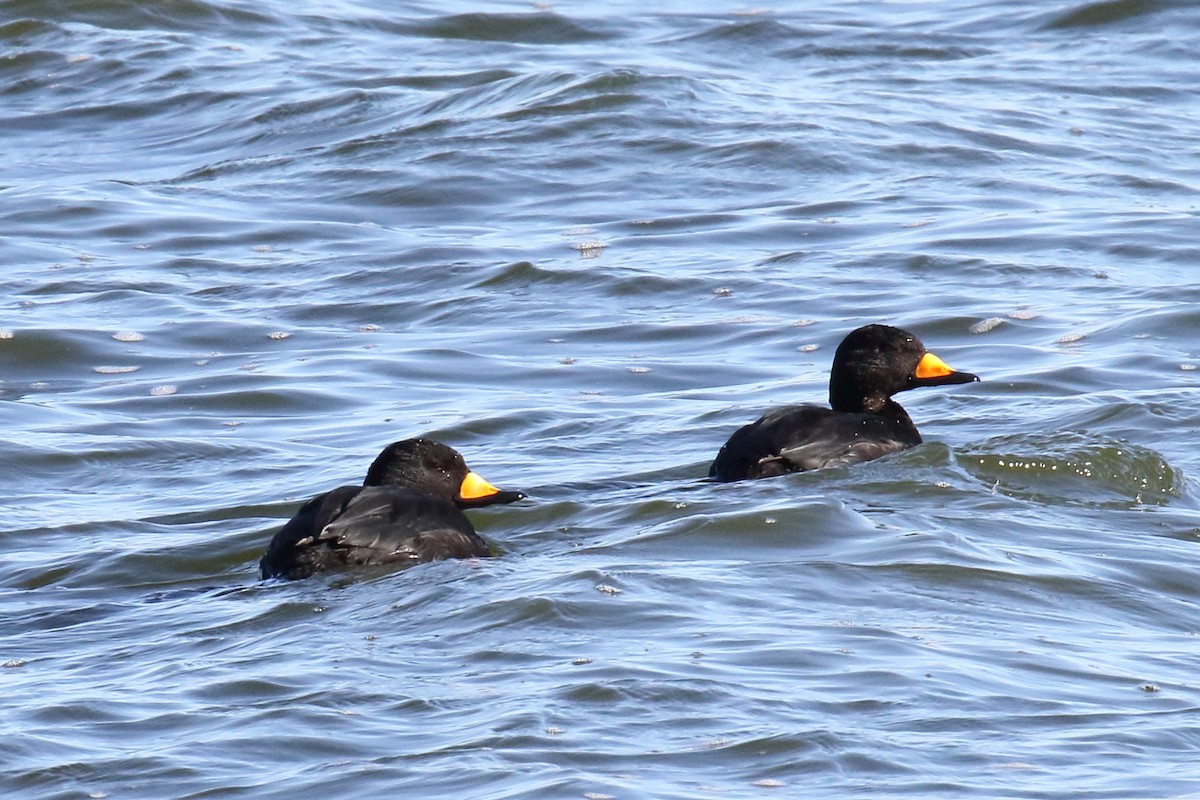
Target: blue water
(245,246)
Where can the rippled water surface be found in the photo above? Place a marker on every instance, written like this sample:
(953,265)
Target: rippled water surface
(245,245)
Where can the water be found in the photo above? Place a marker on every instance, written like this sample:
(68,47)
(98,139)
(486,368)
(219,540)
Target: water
(247,245)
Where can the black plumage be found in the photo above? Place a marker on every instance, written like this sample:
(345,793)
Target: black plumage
(862,422)
(406,512)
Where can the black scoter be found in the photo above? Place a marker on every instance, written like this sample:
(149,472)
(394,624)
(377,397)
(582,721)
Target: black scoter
(406,512)
(871,364)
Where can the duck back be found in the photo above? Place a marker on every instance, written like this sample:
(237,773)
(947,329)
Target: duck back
(806,437)
(356,526)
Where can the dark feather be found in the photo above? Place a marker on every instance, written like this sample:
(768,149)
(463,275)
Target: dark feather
(871,364)
(408,512)
(355,526)
(801,438)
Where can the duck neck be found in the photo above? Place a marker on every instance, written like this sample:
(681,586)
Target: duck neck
(857,401)
(893,410)
(845,400)
(879,404)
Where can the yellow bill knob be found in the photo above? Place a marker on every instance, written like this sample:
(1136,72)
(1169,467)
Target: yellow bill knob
(474,487)
(930,366)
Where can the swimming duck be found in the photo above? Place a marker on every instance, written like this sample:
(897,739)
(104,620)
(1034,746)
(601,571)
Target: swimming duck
(406,512)
(871,364)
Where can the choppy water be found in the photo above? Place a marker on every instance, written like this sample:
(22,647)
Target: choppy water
(246,245)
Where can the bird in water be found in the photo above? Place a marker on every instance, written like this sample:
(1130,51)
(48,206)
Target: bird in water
(863,422)
(406,512)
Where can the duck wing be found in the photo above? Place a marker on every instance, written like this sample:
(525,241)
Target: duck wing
(392,523)
(358,526)
(807,437)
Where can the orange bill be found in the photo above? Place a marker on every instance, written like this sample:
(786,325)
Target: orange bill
(474,487)
(930,366)
(932,371)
